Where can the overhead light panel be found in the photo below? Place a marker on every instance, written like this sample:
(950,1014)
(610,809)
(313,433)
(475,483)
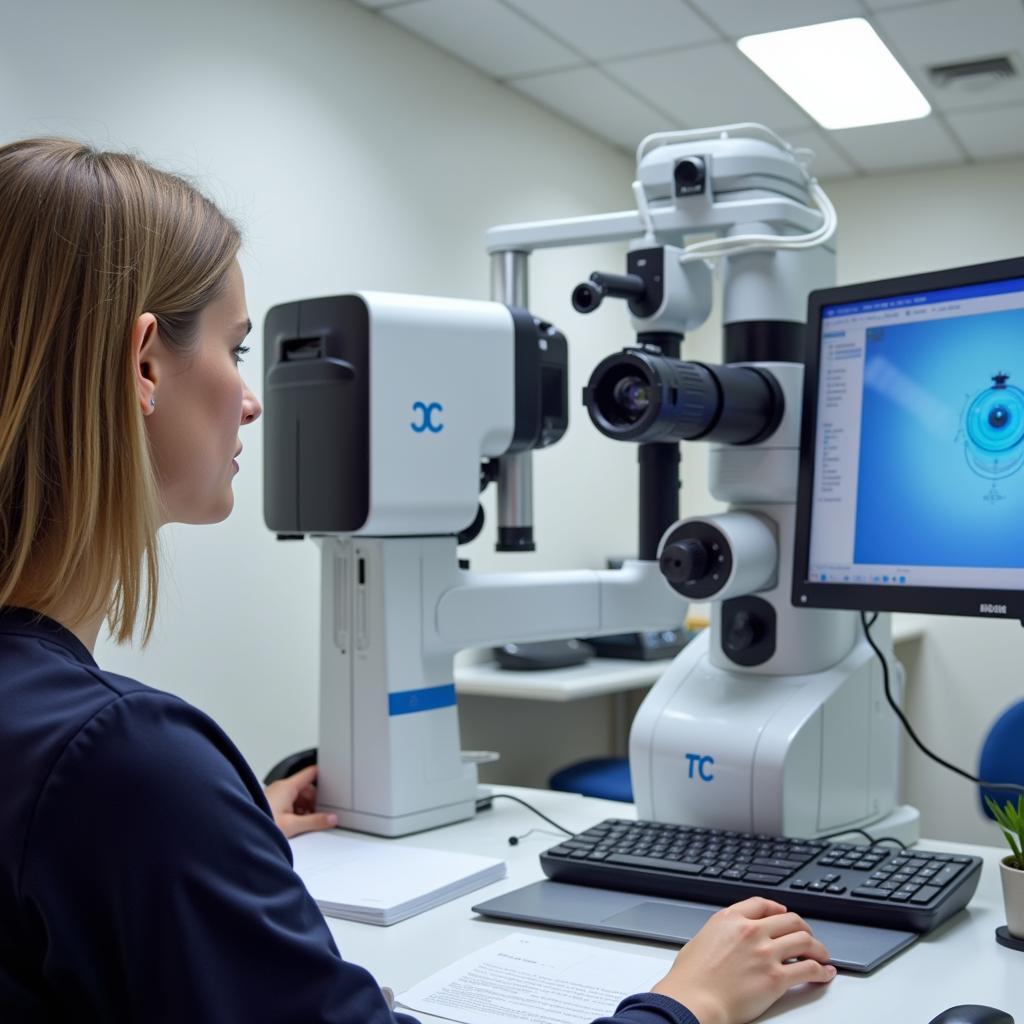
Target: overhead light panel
(840,72)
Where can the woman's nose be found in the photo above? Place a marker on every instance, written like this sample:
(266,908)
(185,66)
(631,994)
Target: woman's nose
(251,408)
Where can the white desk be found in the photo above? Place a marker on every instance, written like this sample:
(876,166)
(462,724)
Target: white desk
(597,678)
(958,963)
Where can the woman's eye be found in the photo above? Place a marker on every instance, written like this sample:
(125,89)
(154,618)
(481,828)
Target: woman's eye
(238,352)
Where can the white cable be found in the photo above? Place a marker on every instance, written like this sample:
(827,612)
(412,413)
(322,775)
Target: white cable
(736,245)
(645,213)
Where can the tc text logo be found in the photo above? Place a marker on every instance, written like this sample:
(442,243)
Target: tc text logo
(427,411)
(699,766)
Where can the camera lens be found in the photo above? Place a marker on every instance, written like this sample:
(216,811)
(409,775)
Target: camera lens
(639,396)
(633,394)
(689,176)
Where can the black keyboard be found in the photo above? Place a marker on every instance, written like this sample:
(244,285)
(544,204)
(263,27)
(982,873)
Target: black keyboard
(876,885)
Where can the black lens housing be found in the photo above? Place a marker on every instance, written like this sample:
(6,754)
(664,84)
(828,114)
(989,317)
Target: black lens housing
(687,401)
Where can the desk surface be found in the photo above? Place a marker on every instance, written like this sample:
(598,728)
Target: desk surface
(960,962)
(596,678)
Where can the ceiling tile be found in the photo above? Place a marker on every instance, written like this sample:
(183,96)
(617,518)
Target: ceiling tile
(828,162)
(591,99)
(958,30)
(890,147)
(738,18)
(710,85)
(486,34)
(990,134)
(882,5)
(602,29)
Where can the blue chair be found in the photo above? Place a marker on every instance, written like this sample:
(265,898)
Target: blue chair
(603,777)
(1002,756)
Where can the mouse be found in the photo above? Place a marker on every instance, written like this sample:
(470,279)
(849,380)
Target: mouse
(971,1013)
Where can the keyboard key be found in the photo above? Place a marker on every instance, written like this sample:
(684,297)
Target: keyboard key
(947,874)
(598,855)
(578,854)
(818,886)
(871,894)
(925,894)
(712,871)
(733,874)
(836,889)
(785,866)
(901,896)
(678,866)
(559,851)
(762,878)
(798,883)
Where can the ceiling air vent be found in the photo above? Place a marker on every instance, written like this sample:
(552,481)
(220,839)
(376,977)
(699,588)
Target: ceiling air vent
(973,75)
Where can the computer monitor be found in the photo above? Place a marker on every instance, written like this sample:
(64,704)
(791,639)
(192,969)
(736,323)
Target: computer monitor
(911,492)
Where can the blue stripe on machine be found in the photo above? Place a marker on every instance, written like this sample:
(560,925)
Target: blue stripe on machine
(405,702)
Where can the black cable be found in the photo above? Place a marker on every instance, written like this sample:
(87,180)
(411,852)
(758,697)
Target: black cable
(529,807)
(867,835)
(910,729)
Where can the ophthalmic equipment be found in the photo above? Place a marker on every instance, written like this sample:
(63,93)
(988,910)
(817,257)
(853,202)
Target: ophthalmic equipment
(382,415)
(380,408)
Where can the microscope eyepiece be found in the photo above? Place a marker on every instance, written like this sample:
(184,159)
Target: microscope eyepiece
(586,297)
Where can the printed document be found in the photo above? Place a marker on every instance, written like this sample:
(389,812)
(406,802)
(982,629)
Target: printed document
(522,979)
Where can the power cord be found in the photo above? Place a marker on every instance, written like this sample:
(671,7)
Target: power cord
(910,729)
(513,840)
(874,840)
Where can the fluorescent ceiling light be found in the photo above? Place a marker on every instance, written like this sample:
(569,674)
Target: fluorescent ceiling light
(840,72)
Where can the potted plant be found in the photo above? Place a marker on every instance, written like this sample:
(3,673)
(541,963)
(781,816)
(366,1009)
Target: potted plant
(1011,820)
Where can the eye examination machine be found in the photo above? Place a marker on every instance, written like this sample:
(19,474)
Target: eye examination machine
(386,415)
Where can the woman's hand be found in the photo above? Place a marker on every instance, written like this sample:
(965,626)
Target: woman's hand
(736,966)
(293,801)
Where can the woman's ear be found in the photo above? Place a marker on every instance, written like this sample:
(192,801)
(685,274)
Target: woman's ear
(146,361)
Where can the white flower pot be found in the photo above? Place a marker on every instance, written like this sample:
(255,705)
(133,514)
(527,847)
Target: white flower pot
(1013,898)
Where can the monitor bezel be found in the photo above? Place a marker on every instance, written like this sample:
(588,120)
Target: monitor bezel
(874,597)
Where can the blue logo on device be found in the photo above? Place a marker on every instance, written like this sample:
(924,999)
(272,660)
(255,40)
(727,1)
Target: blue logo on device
(700,762)
(426,411)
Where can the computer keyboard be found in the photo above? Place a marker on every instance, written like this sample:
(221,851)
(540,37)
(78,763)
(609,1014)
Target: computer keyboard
(877,885)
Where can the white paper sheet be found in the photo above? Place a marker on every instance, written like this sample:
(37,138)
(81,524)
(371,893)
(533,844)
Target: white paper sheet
(522,979)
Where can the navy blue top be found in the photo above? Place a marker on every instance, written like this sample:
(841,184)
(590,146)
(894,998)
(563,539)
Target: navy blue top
(142,876)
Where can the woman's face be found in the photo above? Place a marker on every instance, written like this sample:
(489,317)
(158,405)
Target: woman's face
(194,405)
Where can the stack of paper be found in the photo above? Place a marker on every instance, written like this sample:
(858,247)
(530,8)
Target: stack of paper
(384,882)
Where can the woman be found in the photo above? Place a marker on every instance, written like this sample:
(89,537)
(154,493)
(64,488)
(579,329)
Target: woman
(142,875)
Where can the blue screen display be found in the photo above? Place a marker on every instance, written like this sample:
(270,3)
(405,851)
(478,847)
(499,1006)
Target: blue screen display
(941,474)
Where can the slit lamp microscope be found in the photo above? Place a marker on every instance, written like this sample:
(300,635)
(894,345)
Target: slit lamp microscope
(386,415)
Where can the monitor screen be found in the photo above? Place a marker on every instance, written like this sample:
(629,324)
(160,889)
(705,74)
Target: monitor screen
(911,493)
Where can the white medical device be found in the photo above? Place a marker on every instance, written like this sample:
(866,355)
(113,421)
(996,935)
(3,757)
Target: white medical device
(379,410)
(772,721)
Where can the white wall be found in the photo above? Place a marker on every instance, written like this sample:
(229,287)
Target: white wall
(355,156)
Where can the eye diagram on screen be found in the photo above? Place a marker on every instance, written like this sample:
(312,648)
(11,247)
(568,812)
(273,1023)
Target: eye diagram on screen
(993,431)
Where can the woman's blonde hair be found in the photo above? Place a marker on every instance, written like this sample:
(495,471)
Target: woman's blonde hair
(89,241)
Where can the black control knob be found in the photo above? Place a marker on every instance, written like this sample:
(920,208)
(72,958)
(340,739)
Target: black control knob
(742,633)
(685,561)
